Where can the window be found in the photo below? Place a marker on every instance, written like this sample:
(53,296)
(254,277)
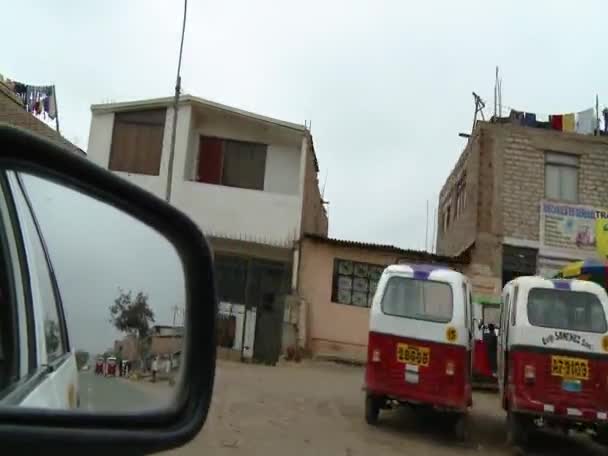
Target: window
(231,276)
(43,292)
(561,176)
(231,163)
(419,299)
(446,217)
(355,283)
(514,306)
(460,196)
(566,309)
(137,141)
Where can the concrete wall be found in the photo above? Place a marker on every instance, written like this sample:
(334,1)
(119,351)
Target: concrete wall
(334,330)
(272,216)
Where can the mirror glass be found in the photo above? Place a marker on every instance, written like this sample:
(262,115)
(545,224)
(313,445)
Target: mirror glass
(93,303)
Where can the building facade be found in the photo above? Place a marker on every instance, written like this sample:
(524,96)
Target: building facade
(337,280)
(248,181)
(523,200)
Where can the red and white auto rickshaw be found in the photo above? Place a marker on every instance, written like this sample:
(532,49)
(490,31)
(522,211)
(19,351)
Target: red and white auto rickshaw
(553,356)
(99,366)
(419,349)
(111,366)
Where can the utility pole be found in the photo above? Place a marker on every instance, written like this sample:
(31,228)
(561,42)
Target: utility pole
(178,88)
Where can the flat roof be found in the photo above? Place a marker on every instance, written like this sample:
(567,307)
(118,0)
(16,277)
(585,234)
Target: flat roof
(196,101)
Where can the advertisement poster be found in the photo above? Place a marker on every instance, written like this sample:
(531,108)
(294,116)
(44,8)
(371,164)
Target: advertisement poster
(572,228)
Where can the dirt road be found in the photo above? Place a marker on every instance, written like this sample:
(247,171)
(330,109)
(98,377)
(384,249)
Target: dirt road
(317,409)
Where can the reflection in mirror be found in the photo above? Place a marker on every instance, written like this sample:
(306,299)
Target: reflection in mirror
(93,304)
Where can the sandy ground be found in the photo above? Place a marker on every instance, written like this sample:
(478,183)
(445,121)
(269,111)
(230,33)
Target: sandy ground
(317,409)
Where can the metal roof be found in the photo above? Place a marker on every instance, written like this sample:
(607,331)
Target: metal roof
(420,255)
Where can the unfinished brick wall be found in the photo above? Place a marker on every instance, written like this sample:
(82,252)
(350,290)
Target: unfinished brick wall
(314,216)
(523,173)
(462,228)
(12,112)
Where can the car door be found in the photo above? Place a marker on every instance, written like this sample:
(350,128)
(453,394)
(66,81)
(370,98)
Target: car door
(502,339)
(57,387)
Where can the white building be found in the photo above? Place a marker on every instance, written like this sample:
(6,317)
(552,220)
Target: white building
(248,181)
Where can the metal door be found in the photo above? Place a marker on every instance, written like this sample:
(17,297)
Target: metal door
(267,293)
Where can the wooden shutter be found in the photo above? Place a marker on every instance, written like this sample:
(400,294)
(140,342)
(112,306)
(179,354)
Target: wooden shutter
(137,141)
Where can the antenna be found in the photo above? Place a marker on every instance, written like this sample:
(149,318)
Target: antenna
(434,229)
(426,230)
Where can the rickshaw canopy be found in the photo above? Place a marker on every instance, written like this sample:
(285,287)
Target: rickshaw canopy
(591,269)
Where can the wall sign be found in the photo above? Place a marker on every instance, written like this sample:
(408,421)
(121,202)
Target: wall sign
(569,227)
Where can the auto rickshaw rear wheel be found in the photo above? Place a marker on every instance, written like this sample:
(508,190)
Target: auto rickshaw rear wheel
(372,409)
(519,428)
(461,427)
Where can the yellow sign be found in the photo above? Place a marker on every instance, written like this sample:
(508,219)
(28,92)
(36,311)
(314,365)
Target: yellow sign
(451,334)
(605,343)
(601,237)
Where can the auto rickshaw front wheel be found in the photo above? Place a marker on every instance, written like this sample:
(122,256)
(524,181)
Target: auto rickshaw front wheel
(461,427)
(372,409)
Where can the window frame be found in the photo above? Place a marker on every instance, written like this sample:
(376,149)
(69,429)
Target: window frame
(17,185)
(336,274)
(224,142)
(561,161)
(117,121)
(430,320)
(561,328)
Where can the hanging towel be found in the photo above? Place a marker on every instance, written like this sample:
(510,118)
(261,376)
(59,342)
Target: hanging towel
(568,123)
(52,112)
(556,121)
(530,119)
(585,122)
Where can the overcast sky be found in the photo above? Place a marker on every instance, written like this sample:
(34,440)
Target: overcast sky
(386,84)
(97,251)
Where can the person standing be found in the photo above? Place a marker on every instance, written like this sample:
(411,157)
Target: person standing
(154,368)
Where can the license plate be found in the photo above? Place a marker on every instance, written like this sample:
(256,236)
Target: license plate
(564,366)
(410,354)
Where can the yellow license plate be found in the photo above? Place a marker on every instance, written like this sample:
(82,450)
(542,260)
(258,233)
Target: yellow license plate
(410,354)
(564,366)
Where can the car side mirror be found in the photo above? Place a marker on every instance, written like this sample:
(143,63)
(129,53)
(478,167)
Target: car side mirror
(107,309)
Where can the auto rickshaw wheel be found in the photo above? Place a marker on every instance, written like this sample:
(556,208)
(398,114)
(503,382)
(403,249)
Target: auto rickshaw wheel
(519,427)
(372,409)
(601,436)
(461,427)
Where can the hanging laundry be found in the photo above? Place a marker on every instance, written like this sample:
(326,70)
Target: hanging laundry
(556,121)
(516,117)
(530,119)
(568,123)
(585,122)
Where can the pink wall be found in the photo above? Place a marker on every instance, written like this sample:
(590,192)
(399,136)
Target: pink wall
(333,329)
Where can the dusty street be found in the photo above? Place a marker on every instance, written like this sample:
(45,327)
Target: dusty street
(318,409)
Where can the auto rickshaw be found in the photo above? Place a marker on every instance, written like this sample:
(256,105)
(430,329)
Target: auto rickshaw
(111,366)
(420,341)
(99,364)
(553,357)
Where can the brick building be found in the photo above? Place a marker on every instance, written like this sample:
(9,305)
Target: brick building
(522,200)
(12,112)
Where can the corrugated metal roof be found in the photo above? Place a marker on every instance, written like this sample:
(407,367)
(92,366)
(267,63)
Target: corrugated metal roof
(420,255)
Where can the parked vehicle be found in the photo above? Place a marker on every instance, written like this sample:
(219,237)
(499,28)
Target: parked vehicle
(553,356)
(420,339)
(111,366)
(99,366)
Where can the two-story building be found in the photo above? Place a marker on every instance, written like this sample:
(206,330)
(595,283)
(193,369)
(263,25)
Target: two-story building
(248,181)
(522,200)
